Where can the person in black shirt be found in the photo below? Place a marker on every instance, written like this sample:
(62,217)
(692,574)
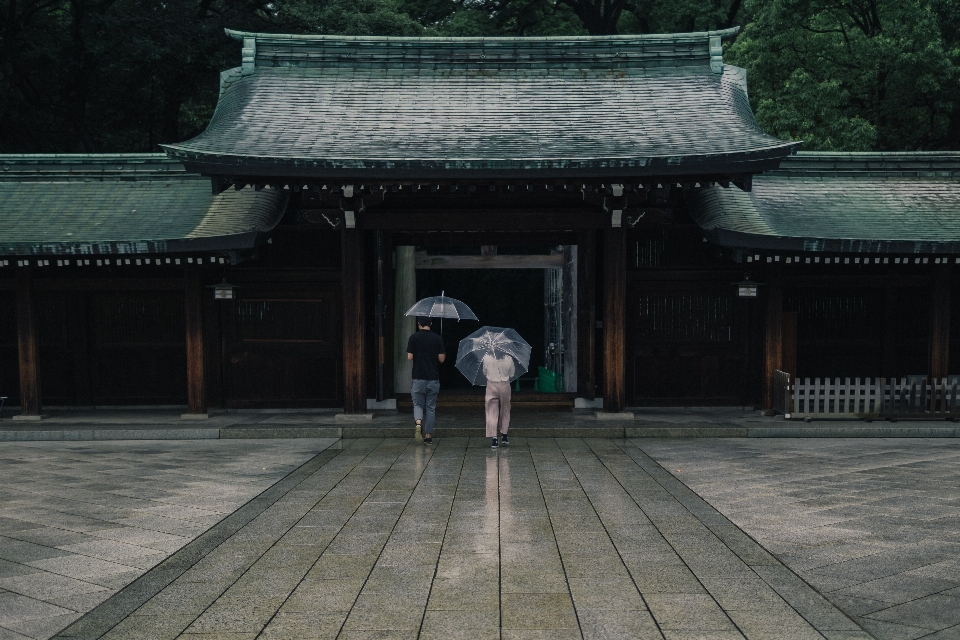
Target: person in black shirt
(426,350)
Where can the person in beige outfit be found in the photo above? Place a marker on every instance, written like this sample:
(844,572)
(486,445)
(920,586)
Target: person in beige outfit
(498,372)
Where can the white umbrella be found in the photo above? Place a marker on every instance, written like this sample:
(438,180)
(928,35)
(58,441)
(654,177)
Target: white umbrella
(505,346)
(441,307)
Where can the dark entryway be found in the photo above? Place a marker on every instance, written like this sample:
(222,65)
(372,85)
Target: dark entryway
(500,298)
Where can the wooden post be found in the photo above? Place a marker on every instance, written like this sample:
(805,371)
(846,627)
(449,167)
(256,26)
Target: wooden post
(587,316)
(28,347)
(614,319)
(570,350)
(773,345)
(405,296)
(354,388)
(789,348)
(193,307)
(889,350)
(940,324)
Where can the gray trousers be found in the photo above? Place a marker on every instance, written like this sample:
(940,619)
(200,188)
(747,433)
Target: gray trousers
(424,394)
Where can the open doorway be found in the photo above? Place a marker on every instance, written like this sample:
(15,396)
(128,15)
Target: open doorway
(518,287)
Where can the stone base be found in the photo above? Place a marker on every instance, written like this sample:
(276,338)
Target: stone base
(583,403)
(390,404)
(603,415)
(25,417)
(353,417)
(194,416)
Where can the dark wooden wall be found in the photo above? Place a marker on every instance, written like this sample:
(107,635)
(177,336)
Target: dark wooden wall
(687,334)
(112,347)
(9,362)
(282,345)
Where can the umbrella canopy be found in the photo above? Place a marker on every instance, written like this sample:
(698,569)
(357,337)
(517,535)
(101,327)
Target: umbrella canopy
(441,307)
(493,353)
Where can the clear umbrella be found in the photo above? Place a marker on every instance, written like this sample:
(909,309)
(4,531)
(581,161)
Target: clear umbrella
(507,355)
(441,307)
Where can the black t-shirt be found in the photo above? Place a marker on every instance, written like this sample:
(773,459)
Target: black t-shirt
(426,347)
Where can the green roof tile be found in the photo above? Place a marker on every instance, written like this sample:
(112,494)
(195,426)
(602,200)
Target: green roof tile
(411,108)
(122,204)
(842,202)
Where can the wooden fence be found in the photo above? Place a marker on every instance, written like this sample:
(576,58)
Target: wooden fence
(903,398)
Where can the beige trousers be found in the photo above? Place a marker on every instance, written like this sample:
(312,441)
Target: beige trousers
(498,408)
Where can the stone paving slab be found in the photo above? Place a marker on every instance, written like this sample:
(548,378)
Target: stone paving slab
(655,422)
(871,524)
(546,538)
(80,522)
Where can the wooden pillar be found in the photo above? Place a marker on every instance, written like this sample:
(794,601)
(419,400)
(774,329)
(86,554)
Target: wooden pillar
(193,307)
(789,339)
(570,350)
(890,329)
(405,295)
(614,319)
(28,345)
(940,324)
(587,315)
(354,389)
(773,344)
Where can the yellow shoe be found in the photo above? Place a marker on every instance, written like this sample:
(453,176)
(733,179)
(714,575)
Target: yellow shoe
(418,433)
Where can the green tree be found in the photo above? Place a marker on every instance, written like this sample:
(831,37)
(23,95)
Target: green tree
(124,75)
(855,74)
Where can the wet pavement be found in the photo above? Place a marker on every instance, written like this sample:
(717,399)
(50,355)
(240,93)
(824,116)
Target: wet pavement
(386,538)
(873,524)
(80,521)
(548,537)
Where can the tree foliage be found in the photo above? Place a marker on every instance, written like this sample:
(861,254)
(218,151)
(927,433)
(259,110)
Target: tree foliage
(855,74)
(124,75)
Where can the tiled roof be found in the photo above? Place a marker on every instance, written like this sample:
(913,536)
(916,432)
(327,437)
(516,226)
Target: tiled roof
(409,108)
(842,202)
(122,204)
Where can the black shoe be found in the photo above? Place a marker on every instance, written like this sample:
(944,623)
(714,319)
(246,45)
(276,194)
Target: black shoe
(494,444)
(428,439)
(504,440)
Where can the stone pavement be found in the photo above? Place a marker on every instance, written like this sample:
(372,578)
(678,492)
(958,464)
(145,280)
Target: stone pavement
(80,521)
(874,524)
(546,538)
(79,424)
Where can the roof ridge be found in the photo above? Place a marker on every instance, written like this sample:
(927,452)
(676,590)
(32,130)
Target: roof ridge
(427,40)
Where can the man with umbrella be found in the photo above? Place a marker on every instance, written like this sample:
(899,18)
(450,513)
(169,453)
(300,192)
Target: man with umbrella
(426,350)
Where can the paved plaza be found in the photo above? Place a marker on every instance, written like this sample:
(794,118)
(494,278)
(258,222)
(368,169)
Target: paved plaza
(547,538)
(873,524)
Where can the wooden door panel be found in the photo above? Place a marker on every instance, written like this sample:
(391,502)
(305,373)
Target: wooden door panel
(684,343)
(284,349)
(134,375)
(9,357)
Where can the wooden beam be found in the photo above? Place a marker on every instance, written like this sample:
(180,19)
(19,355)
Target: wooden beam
(82,283)
(614,319)
(193,307)
(530,237)
(773,344)
(484,219)
(354,388)
(424,261)
(587,315)
(27,344)
(940,324)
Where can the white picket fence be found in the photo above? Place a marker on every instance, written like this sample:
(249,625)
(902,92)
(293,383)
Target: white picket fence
(869,397)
